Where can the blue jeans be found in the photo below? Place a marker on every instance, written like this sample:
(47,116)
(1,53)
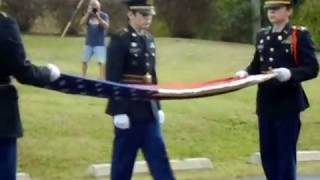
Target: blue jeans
(278,140)
(8,158)
(146,136)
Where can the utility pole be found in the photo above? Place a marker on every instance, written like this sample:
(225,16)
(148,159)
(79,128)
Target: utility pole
(72,18)
(256,24)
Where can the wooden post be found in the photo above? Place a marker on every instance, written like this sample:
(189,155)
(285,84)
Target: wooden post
(256,24)
(72,18)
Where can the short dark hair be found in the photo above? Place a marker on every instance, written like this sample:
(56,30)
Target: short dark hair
(289,7)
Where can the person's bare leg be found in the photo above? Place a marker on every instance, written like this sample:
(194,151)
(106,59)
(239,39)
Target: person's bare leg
(84,69)
(102,70)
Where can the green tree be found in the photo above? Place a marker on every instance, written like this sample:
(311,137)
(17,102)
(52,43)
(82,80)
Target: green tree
(308,15)
(185,18)
(232,21)
(25,11)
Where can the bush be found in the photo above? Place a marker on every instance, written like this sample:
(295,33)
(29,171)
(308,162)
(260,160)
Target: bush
(226,20)
(25,11)
(62,11)
(117,13)
(232,22)
(185,18)
(308,15)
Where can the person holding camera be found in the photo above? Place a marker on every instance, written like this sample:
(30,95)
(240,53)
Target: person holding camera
(97,24)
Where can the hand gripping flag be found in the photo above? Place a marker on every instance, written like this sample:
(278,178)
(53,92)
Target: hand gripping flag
(106,89)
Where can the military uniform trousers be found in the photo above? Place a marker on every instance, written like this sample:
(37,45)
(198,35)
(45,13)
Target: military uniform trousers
(278,140)
(147,136)
(8,151)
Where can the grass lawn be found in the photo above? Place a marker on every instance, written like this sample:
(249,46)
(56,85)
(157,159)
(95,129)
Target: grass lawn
(64,134)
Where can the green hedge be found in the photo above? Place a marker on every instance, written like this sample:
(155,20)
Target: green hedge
(309,15)
(231,21)
(225,20)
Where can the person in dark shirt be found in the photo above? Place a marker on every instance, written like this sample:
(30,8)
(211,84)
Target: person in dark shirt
(288,52)
(13,63)
(132,60)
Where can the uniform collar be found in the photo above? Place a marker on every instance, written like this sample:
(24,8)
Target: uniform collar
(285,31)
(135,32)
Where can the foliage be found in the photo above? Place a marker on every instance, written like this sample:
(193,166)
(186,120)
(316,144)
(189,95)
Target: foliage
(185,18)
(62,10)
(226,20)
(308,15)
(117,13)
(25,11)
(232,22)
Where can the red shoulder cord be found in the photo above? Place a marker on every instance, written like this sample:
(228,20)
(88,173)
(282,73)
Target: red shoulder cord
(294,46)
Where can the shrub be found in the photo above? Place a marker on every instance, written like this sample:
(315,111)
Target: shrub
(185,18)
(308,15)
(25,11)
(233,21)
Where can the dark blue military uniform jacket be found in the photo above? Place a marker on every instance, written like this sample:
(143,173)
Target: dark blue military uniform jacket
(273,50)
(13,63)
(131,59)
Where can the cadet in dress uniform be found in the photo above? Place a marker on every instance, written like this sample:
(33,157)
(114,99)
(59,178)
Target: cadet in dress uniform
(13,63)
(288,52)
(131,59)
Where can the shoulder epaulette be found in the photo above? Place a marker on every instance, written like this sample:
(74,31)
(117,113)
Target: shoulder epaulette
(123,31)
(300,28)
(148,34)
(3,14)
(265,29)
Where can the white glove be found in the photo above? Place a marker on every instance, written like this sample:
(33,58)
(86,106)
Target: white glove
(54,72)
(121,121)
(241,74)
(161,116)
(282,74)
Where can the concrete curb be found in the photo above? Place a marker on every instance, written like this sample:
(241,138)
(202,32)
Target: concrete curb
(23,176)
(302,156)
(140,167)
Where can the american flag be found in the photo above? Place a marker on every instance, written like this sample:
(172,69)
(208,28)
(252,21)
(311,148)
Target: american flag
(70,84)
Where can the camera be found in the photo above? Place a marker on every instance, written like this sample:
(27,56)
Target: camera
(94,10)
